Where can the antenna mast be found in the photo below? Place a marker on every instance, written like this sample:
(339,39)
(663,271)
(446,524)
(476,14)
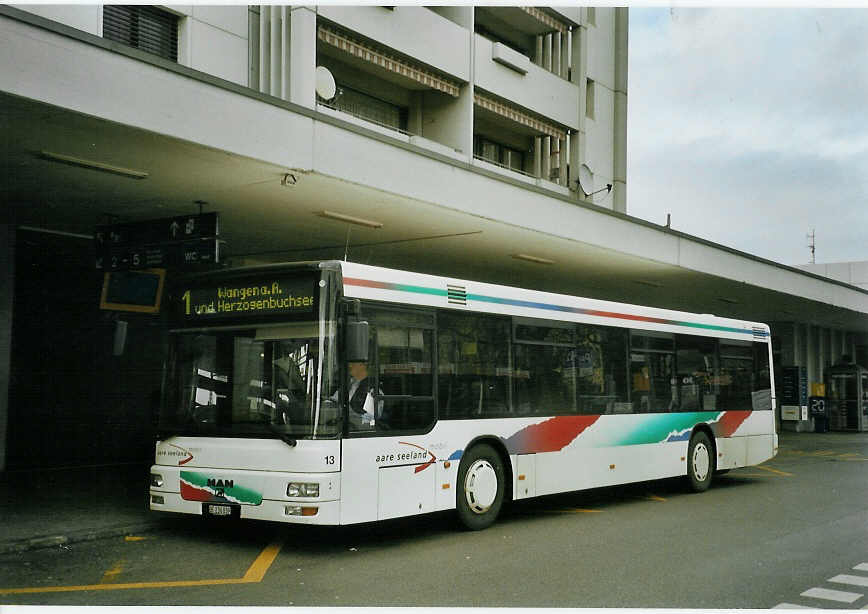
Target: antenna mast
(812,245)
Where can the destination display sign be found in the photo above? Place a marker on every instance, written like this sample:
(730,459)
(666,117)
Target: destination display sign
(249,298)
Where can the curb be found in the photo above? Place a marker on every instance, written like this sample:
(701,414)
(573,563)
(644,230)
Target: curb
(86,535)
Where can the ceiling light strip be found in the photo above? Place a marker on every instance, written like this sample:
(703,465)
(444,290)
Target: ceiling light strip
(384,60)
(93,165)
(535,259)
(350,219)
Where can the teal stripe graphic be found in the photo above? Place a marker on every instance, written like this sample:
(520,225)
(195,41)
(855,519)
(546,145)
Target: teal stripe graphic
(483,298)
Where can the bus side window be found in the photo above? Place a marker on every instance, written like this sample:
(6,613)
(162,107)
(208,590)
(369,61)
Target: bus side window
(652,372)
(697,379)
(737,372)
(403,362)
(474,365)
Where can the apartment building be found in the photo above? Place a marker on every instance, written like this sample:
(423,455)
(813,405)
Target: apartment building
(484,142)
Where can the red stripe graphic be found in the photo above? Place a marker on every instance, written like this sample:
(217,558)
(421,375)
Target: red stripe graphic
(729,422)
(549,436)
(367,283)
(191,493)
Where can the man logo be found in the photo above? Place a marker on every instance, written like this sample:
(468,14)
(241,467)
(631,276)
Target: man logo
(220,483)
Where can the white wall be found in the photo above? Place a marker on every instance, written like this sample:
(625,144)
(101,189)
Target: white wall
(538,89)
(212,39)
(87,18)
(411,30)
(853,273)
(600,131)
(217,41)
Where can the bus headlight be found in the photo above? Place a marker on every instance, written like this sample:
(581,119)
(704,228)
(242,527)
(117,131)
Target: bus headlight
(298,510)
(156,480)
(302,489)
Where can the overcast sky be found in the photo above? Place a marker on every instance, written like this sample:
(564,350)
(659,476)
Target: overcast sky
(750,126)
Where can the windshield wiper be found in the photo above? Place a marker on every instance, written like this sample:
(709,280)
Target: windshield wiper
(283,435)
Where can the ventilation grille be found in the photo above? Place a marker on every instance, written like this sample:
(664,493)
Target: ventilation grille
(457,295)
(143,27)
(760,333)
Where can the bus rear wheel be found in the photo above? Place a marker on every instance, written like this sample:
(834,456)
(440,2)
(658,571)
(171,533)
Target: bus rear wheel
(700,462)
(481,487)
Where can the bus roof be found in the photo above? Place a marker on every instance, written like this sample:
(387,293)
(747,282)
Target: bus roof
(396,286)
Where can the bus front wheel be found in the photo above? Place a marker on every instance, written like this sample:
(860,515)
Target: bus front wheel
(480,487)
(700,462)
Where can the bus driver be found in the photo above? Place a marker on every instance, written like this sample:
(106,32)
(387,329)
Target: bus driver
(361,395)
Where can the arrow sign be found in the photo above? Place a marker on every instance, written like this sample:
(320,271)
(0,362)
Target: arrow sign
(186,240)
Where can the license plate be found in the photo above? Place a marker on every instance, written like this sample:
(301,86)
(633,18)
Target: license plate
(219,510)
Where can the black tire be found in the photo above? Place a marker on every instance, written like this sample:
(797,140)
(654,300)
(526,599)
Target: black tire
(700,462)
(481,487)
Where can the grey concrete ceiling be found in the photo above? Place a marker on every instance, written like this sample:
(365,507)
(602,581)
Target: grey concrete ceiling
(264,220)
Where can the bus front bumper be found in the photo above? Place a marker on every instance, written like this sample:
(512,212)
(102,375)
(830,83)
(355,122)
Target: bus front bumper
(318,512)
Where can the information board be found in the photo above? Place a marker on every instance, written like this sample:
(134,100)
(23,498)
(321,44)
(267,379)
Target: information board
(182,241)
(138,291)
(794,386)
(260,297)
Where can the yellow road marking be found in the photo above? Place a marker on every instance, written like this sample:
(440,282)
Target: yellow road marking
(579,510)
(113,572)
(133,538)
(651,497)
(254,574)
(257,570)
(777,471)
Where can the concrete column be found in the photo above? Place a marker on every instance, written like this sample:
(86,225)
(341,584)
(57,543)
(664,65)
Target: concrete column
(253,49)
(265,50)
(414,113)
(556,53)
(811,354)
(822,353)
(275,50)
(537,156)
(578,72)
(837,345)
(7,285)
(547,52)
(619,163)
(301,56)
(562,162)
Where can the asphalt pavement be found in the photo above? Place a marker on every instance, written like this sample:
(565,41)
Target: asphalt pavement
(51,508)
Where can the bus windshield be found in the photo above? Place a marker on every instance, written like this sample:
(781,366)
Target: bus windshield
(278,381)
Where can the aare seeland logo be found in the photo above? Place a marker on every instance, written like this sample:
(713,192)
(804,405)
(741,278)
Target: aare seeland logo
(183,455)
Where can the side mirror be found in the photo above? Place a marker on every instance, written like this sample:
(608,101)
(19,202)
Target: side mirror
(357,341)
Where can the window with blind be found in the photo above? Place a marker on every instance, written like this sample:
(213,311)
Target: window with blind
(143,27)
(372,109)
(502,155)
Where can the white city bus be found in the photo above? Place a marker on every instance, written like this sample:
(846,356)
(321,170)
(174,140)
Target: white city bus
(476,394)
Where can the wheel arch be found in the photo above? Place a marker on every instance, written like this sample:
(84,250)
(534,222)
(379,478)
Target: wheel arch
(704,427)
(498,445)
